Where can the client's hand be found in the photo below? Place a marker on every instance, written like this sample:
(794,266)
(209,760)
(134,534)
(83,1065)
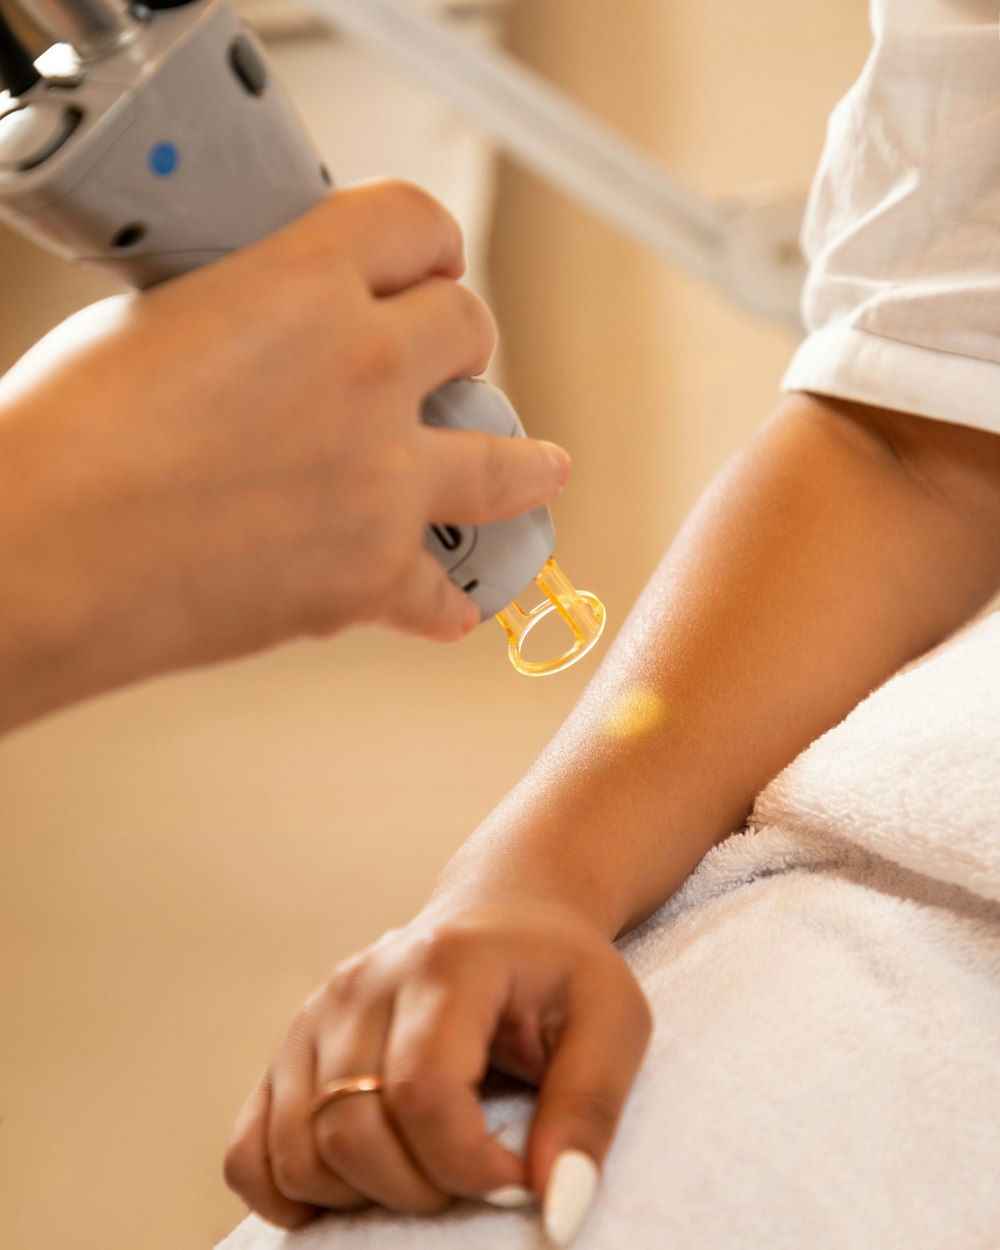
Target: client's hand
(533,991)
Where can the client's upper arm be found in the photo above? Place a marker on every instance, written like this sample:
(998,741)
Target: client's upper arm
(958,466)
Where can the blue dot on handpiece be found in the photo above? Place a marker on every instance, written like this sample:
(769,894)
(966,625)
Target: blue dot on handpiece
(164,159)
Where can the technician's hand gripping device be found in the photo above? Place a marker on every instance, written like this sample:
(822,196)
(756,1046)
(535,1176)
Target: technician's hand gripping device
(152,139)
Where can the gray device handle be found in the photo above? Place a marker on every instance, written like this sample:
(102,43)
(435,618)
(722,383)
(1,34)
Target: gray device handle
(491,563)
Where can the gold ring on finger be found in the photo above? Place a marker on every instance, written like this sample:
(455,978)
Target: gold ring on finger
(345,1087)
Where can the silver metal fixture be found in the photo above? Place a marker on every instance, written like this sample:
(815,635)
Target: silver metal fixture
(93,27)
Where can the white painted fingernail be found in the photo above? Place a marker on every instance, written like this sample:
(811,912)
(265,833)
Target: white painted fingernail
(510,1196)
(569,1195)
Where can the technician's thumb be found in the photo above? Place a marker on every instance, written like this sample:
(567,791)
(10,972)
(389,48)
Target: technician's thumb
(588,1079)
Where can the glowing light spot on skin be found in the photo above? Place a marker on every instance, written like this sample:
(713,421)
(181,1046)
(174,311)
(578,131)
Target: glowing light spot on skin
(633,713)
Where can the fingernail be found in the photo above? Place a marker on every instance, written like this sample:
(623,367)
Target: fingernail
(569,1195)
(510,1196)
(561,460)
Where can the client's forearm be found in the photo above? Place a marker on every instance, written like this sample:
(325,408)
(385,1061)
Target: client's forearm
(838,545)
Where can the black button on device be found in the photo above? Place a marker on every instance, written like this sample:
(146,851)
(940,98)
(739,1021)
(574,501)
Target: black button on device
(448,536)
(248,65)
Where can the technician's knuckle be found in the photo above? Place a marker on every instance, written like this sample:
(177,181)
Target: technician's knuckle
(393,558)
(420,203)
(382,589)
(375,356)
(440,623)
(476,321)
(410,193)
(303,269)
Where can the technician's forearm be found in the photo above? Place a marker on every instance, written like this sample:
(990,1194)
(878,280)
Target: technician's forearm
(60,636)
(814,566)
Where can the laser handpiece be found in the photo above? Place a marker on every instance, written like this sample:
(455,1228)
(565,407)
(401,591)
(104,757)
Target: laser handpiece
(157,140)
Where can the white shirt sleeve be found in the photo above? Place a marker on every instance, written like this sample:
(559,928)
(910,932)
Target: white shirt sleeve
(902,303)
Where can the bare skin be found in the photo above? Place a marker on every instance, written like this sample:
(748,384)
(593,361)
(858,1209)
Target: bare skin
(236,458)
(842,542)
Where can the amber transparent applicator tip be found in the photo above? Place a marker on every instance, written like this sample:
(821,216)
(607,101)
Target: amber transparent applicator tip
(582,613)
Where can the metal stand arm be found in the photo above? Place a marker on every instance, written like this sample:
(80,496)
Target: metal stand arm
(747,249)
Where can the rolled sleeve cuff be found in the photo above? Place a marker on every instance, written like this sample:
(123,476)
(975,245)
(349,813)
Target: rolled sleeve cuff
(854,364)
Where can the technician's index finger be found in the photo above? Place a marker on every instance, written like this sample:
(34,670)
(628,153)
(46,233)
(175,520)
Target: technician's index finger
(477,478)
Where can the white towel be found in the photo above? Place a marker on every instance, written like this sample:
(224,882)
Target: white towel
(825,1069)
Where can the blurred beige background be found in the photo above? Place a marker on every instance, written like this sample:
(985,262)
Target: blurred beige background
(181,863)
